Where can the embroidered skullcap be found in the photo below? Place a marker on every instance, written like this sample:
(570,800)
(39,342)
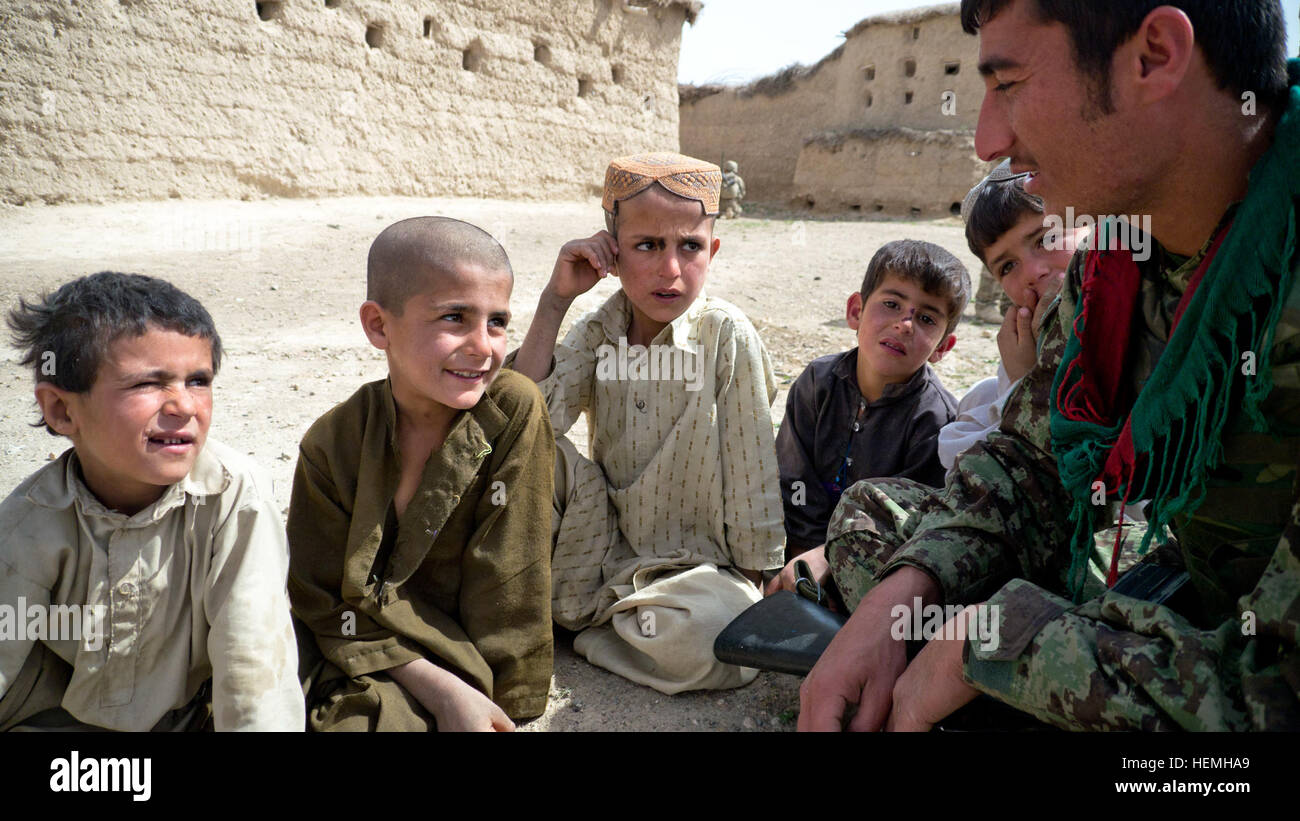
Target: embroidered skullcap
(1000,174)
(684,176)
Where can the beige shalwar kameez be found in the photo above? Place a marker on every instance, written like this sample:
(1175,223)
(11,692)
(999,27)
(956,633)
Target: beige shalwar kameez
(680,492)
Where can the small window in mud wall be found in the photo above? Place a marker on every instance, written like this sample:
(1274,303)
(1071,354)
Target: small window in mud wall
(430,27)
(952,68)
(916,33)
(269,10)
(909,67)
(868,100)
(869,73)
(541,53)
(374,35)
(584,86)
(472,59)
(907,98)
(617,74)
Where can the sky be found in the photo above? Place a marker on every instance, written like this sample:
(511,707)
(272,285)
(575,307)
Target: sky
(735,41)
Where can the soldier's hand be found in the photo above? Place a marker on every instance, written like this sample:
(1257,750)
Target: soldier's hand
(864,660)
(581,264)
(932,687)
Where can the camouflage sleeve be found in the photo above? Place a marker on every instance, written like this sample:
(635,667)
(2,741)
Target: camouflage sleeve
(1117,663)
(1003,513)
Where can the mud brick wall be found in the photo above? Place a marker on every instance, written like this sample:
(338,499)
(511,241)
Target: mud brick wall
(894,75)
(106,100)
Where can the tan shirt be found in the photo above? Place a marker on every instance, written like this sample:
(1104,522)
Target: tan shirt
(689,456)
(189,589)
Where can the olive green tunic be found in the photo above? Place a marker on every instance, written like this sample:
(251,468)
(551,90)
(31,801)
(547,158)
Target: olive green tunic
(462,578)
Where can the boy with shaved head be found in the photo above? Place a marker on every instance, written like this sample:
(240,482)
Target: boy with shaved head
(418,536)
(659,537)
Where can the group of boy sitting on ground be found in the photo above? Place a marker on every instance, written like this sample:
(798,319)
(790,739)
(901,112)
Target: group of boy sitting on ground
(440,519)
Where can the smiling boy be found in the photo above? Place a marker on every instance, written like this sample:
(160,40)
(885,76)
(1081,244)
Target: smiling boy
(1007,231)
(876,410)
(170,541)
(661,536)
(419,524)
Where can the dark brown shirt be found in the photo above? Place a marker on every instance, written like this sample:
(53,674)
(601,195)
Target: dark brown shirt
(832,437)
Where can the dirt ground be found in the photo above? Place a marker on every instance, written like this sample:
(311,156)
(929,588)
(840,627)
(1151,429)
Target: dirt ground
(284,278)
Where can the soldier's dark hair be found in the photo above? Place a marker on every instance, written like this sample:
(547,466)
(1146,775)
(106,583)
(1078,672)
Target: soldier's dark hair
(65,335)
(998,208)
(406,253)
(933,269)
(1244,41)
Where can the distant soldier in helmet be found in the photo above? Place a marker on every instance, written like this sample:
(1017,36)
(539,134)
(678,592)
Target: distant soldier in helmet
(733,190)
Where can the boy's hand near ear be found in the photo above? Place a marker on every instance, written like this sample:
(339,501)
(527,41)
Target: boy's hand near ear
(581,264)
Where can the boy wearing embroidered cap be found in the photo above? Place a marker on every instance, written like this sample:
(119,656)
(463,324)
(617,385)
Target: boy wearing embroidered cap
(661,536)
(418,534)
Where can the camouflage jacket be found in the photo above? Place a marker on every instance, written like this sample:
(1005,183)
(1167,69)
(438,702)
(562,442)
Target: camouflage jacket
(1000,531)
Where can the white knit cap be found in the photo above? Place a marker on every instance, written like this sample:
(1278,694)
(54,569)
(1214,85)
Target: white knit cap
(1000,174)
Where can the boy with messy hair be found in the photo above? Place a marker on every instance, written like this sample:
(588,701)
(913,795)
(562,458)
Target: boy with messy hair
(419,524)
(1007,230)
(167,544)
(661,536)
(875,410)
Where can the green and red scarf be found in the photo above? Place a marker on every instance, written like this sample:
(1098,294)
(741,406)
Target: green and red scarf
(1163,443)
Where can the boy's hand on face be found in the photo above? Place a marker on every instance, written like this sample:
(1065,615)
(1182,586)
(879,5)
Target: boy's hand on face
(1052,286)
(1018,338)
(1016,342)
(581,264)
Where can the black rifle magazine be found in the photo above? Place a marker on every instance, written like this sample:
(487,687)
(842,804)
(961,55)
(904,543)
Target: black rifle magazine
(784,633)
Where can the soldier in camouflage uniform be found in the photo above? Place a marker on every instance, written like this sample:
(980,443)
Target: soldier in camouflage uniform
(991,302)
(733,190)
(1001,532)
